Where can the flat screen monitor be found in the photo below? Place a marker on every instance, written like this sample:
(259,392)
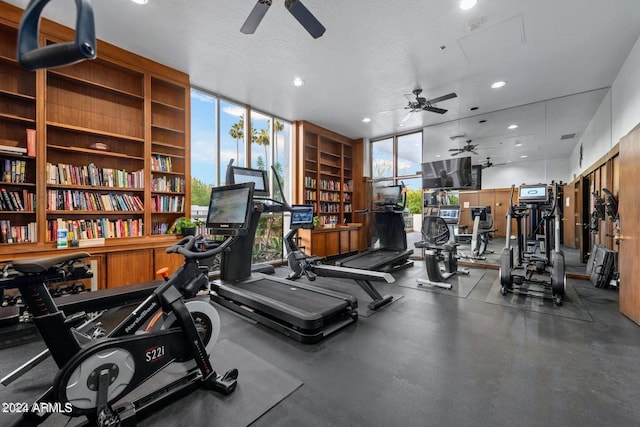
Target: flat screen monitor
(479,211)
(449,214)
(301,215)
(230,208)
(448,174)
(533,193)
(259,177)
(391,195)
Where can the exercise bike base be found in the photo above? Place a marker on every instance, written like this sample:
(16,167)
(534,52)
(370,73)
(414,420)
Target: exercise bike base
(376,304)
(443,285)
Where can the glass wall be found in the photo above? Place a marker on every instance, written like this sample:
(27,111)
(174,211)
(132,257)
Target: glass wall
(232,135)
(219,132)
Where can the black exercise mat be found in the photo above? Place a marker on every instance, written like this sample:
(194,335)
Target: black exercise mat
(261,386)
(571,308)
(461,284)
(349,287)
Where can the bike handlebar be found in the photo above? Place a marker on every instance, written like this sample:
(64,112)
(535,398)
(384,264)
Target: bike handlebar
(185,245)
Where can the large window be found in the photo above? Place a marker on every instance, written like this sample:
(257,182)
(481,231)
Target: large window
(221,131)
(382,159)
(232,135)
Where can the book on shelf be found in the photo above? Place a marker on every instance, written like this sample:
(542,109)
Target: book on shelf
(31,142)
(19,200)
(160,163)
(11,147)
(80,200)
(91,175)
(92,229)
(17,233)
(14,171)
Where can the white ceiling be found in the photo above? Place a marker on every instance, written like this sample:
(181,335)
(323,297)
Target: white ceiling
(374,51)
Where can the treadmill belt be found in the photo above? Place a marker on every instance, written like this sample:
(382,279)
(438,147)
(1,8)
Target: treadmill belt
(297,297)
(373,258)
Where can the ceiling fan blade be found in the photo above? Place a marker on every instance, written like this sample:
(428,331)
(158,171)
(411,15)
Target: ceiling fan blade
(255,17)
(304,17)
(474,152)
(455,154)
(460,150)
(434,109)
(406,117)
(442,98)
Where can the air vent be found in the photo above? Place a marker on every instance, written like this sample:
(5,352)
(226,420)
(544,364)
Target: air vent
(567,136)
(453,138)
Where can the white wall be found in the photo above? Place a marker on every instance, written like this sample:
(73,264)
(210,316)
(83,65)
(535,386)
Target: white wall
(624,114)
(525,173)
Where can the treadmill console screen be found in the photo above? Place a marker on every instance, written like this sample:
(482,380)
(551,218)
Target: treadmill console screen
(258,177)
(302,215)
(450,215)
(230,208)
(391,195)
(533,193)
(480,211)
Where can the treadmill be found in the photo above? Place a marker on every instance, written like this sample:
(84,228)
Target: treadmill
(303,312)
(392,254)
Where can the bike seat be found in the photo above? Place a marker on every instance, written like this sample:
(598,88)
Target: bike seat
(42,264)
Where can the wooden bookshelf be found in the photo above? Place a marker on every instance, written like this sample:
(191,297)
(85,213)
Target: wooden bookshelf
(329,173)
(116,116)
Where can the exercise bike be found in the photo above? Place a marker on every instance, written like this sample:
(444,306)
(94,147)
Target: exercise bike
(164,333)
(440,252)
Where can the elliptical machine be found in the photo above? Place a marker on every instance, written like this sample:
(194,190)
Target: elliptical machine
(530,265)
(178,337)
(440,252)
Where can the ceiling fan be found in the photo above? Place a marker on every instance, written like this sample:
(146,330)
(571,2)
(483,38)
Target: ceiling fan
(420,103)
(295,7)
(467,148)
(488,164)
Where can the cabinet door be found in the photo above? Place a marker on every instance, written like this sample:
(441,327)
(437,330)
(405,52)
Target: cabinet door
(318,244)
(162,259)
(354,240)
(333,243)
(344,241)
(127,268)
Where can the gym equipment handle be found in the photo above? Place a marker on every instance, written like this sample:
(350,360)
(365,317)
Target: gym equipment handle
(187,243)
(32,57)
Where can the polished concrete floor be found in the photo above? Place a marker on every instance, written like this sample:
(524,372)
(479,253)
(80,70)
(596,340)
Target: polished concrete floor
(436,359)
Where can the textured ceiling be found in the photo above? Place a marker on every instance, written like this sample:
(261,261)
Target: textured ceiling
(374,51)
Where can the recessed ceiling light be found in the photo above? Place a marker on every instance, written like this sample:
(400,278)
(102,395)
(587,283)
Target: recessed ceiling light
(366,120)
(140,1)
(467,4)
(401,125)
(524,156)
(298,82)
(438,155)
(518,144)
(511,127)
(498,84)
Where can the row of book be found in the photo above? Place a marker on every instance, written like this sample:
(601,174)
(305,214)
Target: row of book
(309,182)
(329,208)
(328,220)
(161,163)
(14,171)
(93,175)
(21,200)
(167,203)
(76,200)
(309,195)
(17,233)
(160,227)
(96,228)
(329,197)
(173,184)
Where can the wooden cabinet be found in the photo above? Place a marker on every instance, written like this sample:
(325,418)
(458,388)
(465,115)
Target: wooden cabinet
(328,176)
(17,156)
(110,157)
(328,242)
(129,267)
(162,259)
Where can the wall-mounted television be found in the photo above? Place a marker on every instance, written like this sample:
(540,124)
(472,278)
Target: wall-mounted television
(454,173)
